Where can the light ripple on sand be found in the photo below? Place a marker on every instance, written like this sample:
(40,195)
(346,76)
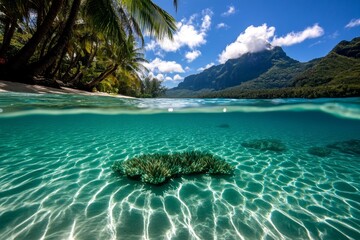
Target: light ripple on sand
(62,187)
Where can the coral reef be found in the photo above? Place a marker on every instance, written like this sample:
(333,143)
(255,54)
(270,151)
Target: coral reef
(319,151)
(351,146)
(265,145)
(158,168)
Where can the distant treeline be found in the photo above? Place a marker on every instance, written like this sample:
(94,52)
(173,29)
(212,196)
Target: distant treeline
(328,91)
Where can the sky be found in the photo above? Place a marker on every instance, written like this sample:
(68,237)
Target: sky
(212,31)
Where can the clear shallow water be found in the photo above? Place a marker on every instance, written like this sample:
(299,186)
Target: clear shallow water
(56,182)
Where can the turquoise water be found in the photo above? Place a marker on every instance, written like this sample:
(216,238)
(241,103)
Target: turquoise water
(56,183)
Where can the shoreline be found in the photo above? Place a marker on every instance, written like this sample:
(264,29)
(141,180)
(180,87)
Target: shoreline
(8,86)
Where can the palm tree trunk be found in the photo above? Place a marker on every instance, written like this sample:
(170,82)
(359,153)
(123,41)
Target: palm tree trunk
(25,53)
(40,66)
(59,63)
(8,34)
(110,70)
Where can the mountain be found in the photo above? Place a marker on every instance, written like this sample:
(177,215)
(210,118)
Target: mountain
(271,73)
(340,66)
(236,71)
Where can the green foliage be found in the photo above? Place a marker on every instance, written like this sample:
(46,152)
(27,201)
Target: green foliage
(349,49)
(109,85)
(334,91)
(151,88)
(274,145)
(85,44)
(158,168)
(332,69)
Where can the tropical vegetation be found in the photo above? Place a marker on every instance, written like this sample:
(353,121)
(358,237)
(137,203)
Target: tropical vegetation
(85,44)
(160,167)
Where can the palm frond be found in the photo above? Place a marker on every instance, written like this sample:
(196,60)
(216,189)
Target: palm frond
(105,19)
(151,18)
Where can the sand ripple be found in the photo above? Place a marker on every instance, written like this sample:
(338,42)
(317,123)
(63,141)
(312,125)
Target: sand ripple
(56,181)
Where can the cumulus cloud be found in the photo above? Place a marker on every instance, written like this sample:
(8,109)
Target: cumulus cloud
(353,23)
(221,25)
(191,56)
(158,76)
(168,79)
(177,77)
(189,34)
(298,37)
(255,39)
(206,19)
(164,66)
(206,67)
(230,11)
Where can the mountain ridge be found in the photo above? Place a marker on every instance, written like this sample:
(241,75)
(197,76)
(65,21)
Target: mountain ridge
(274,70)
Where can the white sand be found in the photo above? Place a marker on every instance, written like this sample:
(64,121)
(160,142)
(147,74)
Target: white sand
(6,86)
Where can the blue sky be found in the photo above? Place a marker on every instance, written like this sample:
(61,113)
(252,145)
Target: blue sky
(213,31)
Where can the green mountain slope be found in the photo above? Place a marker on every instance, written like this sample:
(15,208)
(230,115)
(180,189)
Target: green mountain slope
(272,74)
(237,71)
(340,66)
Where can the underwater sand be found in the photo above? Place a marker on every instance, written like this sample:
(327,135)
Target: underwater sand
(56,180)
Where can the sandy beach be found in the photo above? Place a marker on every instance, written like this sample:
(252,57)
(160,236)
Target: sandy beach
(7,86)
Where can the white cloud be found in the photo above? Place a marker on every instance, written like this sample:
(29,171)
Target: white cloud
(353,23)
(316,43)
(221,25)
(187,68)
(177,77)
(230,11)
(298,37)
(164,66)
(191,56)
(206,20)
(159,77)
(206,67)
(150,46)
(168,79)
(255,39)
(189,34)
(206,23)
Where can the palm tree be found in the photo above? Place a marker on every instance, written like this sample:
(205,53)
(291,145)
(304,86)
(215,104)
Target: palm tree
(22,57)
(12,11)
(115,18)
(125,56)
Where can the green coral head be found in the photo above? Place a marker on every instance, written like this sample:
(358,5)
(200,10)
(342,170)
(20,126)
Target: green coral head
(160,167)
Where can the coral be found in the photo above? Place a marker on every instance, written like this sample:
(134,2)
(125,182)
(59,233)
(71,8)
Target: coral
(265,145)
(319,151)
(350,147)
(158,168)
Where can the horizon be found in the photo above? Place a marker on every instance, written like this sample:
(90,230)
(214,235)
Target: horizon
(210,33)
